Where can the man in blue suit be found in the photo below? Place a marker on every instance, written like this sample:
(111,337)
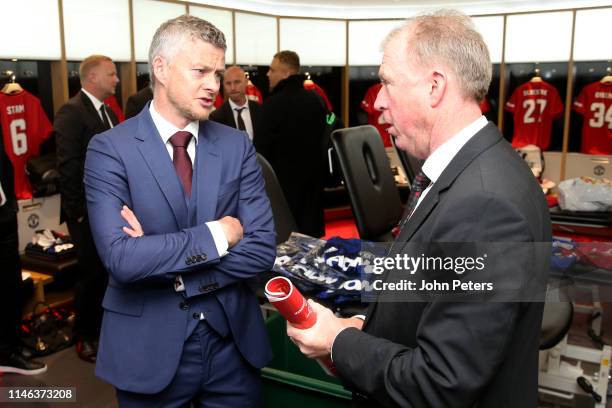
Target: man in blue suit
(180,219)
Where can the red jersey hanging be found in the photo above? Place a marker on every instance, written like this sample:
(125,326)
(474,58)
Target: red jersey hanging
(24,126)
(534,105)
(253,94)
(112,103)
(595,104)
(218,101)
(484,106)
(375,117)
(311,86)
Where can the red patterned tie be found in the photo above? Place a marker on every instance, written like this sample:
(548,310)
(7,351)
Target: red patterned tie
(181,160)
(419,184)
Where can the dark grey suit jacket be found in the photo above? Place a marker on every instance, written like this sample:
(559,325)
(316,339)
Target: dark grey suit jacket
(225,115)
(7,181)
(462,354)
(135,103)
(74,125)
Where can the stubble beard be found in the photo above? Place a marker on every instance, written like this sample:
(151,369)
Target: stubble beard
(187,111)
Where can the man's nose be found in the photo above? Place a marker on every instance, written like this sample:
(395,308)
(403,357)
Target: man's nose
(381,101)
(211,82)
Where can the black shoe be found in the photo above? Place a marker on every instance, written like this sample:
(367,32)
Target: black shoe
(87,350)
(16,363)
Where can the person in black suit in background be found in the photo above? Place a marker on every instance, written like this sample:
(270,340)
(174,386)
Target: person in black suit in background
(237,111)
(138,101)
(473,188)
(290,136)
(11,293)
(77,121)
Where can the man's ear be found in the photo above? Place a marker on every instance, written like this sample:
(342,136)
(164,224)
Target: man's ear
(285,70)
(160,69)
(91,76)
(438,81)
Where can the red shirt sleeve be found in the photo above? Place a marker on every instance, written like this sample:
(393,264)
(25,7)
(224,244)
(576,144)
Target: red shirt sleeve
(580,104)
(111,101)
(557,105)
(511,103)
(367,104)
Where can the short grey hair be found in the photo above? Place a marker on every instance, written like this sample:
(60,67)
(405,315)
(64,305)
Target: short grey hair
(168,37)
(449,37)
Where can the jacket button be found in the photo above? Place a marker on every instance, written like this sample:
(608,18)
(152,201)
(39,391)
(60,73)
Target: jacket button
(196,316)
(187,261)
(204,257)
(199,258)
(184,305)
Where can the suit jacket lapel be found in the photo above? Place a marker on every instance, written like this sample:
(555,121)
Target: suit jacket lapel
(92,110)
(230,115)
(111,114)
(156,156)
(254,112)
(481,141)
(208,169)
(420,215)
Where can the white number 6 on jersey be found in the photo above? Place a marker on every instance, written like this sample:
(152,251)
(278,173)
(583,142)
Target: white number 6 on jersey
(18,136)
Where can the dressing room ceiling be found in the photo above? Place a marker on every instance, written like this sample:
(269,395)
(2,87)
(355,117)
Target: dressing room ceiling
(371,9)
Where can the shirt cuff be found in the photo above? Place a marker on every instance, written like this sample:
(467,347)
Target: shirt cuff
(360,316)
(219,237)
(3,199)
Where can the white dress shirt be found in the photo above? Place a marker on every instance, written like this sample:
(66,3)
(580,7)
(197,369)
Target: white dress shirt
(437,162)
(246,116)
(2,196)
(97,103)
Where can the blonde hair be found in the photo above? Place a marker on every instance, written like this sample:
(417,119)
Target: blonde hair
(90,63)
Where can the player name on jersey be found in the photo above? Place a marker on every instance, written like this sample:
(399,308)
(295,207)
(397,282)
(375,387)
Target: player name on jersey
(603,95)
(534,92)
(14,109)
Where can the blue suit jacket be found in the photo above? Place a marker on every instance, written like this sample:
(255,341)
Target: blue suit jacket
(144,327)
